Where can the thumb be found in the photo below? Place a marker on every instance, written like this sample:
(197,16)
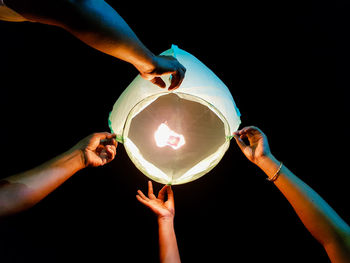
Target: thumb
(241,144)
(159,82)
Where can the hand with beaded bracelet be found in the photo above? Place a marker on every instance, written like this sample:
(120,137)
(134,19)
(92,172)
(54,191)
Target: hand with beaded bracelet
(331,230)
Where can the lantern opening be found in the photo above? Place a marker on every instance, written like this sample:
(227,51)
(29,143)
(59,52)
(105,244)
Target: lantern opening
(175,137)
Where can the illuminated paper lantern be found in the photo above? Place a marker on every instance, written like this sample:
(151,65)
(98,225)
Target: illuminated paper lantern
(175,137)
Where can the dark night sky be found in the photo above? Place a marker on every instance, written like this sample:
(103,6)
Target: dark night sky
(284,63)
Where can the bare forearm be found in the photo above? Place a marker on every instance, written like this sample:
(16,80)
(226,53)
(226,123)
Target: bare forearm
(317,216)
(22,191)
(104,29)
(168,250)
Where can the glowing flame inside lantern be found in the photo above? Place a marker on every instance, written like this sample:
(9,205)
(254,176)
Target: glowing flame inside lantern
(164,136)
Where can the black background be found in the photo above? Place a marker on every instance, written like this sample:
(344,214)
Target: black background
(285,63)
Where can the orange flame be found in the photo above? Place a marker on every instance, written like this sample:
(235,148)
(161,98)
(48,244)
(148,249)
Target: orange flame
(164,136)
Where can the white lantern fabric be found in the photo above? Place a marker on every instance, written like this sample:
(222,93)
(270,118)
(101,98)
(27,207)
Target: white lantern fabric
(177,136)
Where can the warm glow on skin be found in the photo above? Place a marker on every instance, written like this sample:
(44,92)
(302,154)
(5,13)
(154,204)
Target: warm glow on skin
(164,136)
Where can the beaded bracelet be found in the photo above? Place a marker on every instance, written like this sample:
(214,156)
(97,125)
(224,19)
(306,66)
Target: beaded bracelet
(276,175)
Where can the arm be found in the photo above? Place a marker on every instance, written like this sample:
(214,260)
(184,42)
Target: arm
(319,218)
(98,25)
(165,211)
(22,191)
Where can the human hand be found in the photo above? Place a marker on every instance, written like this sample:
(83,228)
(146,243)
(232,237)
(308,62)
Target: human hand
(163,209)
(258,147)
(97,149)
(163,65)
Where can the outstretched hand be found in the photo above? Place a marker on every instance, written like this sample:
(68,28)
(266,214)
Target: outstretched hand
(162,208)
(164,65)
(98,148)
(258,146)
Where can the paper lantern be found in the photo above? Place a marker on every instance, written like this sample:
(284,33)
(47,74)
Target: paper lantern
(175,137)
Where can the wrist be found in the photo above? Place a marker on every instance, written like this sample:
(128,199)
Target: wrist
(147,64)
(265,159)
(165,220)
(269,164)
(82,159)
(78,157)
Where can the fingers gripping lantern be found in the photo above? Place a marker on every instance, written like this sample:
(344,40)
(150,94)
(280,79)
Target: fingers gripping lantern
(175,137)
